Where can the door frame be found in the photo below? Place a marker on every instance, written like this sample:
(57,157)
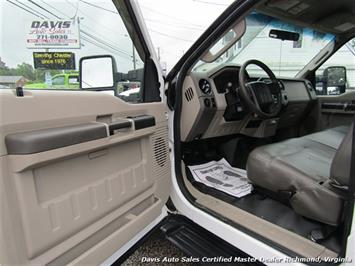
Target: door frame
(184,202)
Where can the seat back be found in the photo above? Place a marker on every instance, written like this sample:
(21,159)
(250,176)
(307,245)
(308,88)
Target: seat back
(340,168)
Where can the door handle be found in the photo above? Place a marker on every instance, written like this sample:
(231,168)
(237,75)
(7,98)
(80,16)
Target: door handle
(119,125)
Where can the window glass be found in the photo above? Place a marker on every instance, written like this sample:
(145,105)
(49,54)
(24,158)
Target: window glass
(58,81)
(337,74)
(73,80)
(286,58)
(43,39)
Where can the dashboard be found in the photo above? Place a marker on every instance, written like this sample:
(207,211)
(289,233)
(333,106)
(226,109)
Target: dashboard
(226,79)
(212,106)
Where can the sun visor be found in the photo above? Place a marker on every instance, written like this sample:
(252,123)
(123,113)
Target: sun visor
(294,7)
(339,23)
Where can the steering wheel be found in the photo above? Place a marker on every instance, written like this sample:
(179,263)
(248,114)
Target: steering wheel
(263,97)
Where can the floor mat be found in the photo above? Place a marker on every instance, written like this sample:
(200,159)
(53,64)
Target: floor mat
(271,210)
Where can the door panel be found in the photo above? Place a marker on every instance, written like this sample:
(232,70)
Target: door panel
(87,171)
(337,110)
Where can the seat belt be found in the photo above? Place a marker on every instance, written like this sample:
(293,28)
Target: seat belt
(336,184)
(320,234)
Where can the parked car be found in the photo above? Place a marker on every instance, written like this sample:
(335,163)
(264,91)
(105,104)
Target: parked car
(235,163)
(127,85)
(130,95)
(59,81)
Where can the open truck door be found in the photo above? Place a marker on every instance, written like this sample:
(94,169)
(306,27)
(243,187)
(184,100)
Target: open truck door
(83,174)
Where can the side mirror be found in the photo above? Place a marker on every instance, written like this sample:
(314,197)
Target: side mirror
(97,72)
(335,79)
(335,76)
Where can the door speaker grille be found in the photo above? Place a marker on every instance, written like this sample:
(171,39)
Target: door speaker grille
(189,94)
(160,151)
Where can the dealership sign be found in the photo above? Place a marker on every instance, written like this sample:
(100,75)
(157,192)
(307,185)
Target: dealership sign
(48,34)
(54,60)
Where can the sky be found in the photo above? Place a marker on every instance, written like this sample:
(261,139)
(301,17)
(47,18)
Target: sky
(186,20)
(173,26)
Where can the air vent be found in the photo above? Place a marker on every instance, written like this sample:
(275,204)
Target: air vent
(281,84)
(205,86)
(160,151)
(309,86)
(189,94)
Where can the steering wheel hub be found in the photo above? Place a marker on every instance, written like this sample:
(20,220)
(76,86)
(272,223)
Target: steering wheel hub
(263,97)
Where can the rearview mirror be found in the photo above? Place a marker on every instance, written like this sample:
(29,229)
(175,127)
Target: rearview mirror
(97,72)
(284,35)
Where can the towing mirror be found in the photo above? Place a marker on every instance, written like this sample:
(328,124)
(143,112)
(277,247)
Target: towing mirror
(334,79)
(97,72)
(335,76)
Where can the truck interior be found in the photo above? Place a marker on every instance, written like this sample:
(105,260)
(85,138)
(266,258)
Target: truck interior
(83,172)
(291,134)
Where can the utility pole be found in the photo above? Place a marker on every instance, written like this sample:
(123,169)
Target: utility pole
(133,52)
(47,74)
(158,48)
(134,56)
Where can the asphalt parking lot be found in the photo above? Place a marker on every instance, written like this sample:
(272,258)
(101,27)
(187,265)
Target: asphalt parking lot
(155,247)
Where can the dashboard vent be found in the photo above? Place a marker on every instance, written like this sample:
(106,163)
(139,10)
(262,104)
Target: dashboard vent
(189,94)
(309,86)
(281,84)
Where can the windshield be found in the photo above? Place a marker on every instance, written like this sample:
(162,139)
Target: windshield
(285,58)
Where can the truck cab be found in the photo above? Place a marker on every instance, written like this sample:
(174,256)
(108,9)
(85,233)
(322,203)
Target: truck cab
(238,140)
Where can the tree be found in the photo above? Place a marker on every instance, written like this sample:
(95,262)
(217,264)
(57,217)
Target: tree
(5,71)
(26,70)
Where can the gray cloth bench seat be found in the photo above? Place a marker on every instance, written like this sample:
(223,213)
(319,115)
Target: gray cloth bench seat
(307,168)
